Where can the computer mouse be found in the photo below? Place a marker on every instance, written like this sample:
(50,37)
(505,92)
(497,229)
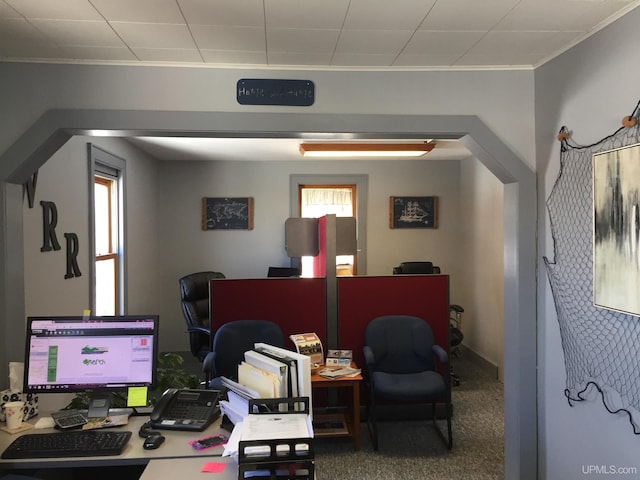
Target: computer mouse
(153,441)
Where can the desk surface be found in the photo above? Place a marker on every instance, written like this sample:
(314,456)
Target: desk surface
(190,468)
(175,446)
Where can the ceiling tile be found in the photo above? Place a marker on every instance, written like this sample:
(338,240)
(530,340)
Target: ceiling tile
(294,13)
(386,15)
(228,38)
(79,32)
(19,30)
(304,59)
(467,14)
(144,11)
(442,43)
(230,57)
(154,35)
(180,55)
(100,53)
(425,60)
(301,41)
(245,13)
(383,42)
(543,15)
(524,42)
(56,9)
(7,12)
(362,60)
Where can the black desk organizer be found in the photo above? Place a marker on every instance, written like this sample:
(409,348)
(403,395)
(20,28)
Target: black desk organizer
(279,459)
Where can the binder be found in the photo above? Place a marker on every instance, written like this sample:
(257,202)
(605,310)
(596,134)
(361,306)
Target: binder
(292,381)
(271,365)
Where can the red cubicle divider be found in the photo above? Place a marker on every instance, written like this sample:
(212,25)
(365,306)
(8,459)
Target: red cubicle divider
(361,299)
(297,305)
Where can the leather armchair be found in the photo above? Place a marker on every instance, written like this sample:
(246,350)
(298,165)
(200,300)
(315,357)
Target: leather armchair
(194,296)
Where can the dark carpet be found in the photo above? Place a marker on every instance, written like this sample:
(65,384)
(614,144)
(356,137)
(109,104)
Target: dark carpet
(411,449)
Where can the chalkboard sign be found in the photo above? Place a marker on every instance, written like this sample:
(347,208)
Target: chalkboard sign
(227,213)
(268,91)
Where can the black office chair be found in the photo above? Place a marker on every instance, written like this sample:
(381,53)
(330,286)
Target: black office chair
(230,342)
(283,272)
(194,296)
(424,268)
(400,361)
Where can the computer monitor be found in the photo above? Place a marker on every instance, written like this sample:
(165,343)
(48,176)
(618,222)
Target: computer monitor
(97,355)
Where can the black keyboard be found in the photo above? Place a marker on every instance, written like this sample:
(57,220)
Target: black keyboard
(87,443)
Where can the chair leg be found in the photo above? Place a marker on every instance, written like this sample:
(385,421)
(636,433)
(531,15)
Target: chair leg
(372,422)
(448,440)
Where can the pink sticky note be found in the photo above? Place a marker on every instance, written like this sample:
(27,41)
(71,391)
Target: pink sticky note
(213,467)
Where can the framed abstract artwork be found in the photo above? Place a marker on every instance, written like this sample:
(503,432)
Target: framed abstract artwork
(616,229)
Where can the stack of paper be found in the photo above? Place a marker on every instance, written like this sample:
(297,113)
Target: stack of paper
(339,372)
(268,427)
(236,407)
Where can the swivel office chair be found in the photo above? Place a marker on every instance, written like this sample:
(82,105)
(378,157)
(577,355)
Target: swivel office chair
(230,342)
(404,365)
(425,268)
(194,296)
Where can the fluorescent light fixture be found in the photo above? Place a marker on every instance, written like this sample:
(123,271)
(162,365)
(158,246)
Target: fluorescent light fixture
(366,149)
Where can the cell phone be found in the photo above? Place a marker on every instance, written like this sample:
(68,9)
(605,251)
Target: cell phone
(208,442)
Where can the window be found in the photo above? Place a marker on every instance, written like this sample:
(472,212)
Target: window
(319,200)
(107,270)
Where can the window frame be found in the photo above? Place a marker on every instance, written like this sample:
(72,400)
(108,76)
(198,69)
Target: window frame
(361,183)
(354,203)
(105,164)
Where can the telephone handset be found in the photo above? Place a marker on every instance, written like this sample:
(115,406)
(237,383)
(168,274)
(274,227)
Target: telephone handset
(186,409)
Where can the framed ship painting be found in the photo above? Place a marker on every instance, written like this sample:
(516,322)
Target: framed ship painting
(227,213)
(413,212)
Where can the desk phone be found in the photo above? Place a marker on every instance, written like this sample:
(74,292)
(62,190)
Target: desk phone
(186,409)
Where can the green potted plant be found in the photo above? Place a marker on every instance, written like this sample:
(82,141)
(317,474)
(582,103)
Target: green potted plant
(170,374)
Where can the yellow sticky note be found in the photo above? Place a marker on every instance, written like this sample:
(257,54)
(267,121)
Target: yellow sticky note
(137,396)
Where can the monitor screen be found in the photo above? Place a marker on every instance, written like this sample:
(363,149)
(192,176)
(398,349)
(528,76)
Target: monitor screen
(73,354)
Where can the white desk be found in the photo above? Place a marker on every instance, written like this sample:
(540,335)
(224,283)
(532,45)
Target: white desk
(189,468)
(175,446)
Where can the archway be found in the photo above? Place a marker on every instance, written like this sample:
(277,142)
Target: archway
(55,127)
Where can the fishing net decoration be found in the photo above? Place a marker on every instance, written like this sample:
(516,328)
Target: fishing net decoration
(601,347)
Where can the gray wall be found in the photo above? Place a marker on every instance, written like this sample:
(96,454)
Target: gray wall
(166,241)
(503,100)
(589,89)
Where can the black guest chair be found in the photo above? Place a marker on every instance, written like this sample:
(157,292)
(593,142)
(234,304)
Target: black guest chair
(194,297)
(403,365)
(424,268)
(283,272)
(230,342)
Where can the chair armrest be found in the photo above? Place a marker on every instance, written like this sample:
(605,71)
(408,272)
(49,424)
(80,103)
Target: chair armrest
(208,362)
(441,354)
(369,358)
(204,330)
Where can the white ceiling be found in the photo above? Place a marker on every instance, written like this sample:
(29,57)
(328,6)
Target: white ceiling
(320,34)
(264,149)
(385,34)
